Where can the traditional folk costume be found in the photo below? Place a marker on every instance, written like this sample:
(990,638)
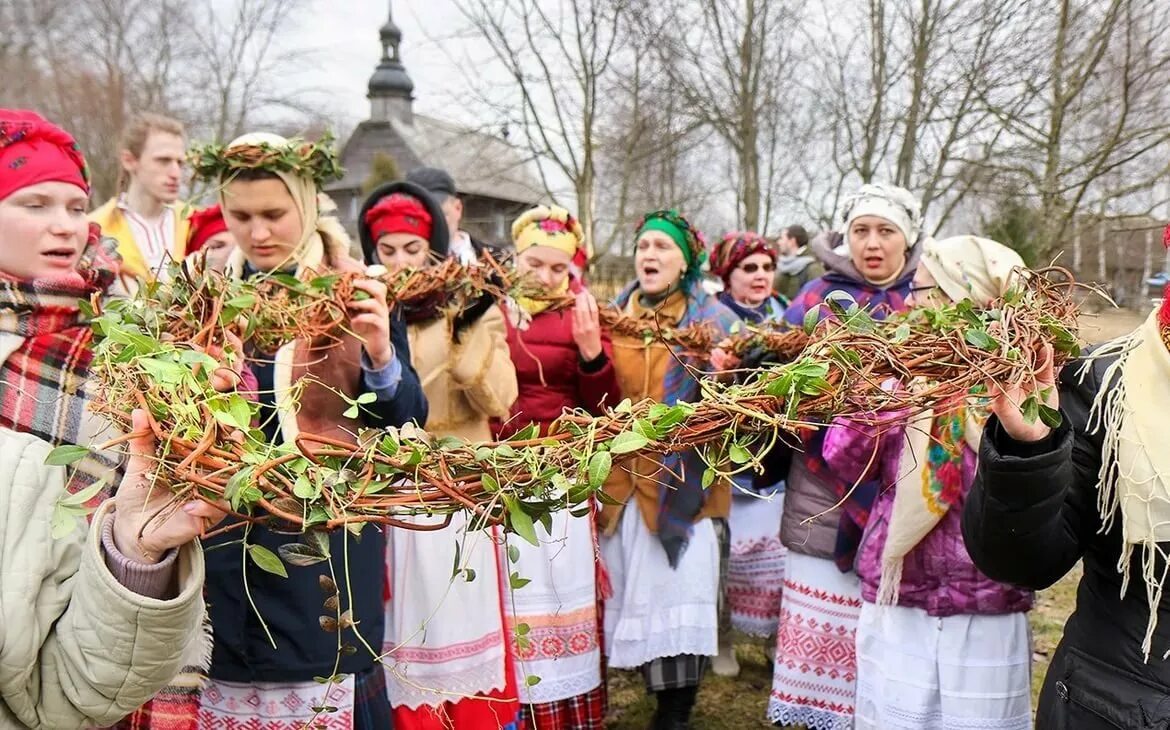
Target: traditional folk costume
(253,682)
(560,602)
(939,644)
(1097,490)
(755,567)
(815,676)
(449,662)
(660,546)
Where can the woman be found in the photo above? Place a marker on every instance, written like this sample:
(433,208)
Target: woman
(814,681)
(745,262)
(564,360)
(939,644)
(276,214)
(208,232)
(1093,489)
(449,659)
(659,544)
(93,623)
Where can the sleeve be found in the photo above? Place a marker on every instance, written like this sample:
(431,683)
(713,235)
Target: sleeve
(855,451)
(481,365)
(1032,510)
(597,383)
(804,300)
(79,648)
(407,402)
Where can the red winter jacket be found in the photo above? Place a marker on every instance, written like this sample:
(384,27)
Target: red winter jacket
(547,348)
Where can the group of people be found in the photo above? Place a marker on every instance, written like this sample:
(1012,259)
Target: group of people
(890,558)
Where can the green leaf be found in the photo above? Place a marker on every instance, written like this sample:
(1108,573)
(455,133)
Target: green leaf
(66,454)
(811,318)
(708,477)
(489,483)
(64,521)
(739,455)
(624,407)
(522,629)
(235,486)
(1030,409)
(243,301)
(600,465)
(266,560)
(513,554)
(367,398)
(628,441)
(1050,416)
(468,574)
(352,412)
(516,582)
(532,680)
(519,520)
(901,334)
(980,339)
(80,498)
(298,554)
(304,488)
(164,371)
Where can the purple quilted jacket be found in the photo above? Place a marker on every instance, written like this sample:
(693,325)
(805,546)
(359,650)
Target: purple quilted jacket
(937,575)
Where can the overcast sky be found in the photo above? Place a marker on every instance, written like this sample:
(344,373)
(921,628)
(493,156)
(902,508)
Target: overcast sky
(346,34)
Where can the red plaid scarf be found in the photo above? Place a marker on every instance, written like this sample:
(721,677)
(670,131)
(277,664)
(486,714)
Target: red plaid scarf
(45,346)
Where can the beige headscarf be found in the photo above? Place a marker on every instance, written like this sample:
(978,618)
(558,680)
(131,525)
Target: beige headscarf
(965,267)
(324,242)
(969,267)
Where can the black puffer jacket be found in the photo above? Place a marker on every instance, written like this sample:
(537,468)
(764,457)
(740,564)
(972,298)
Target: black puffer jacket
(1031,515)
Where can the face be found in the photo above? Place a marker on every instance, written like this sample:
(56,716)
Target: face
(453,212)
(219,247)
(659,262)
(787,243)
(545,264)
(43,230)
(750,283)
(924,291)
(877,247)
(398,251)
(158,169)
(263,220)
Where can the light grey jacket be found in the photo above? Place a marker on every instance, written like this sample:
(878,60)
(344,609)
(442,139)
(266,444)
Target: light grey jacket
(77,649)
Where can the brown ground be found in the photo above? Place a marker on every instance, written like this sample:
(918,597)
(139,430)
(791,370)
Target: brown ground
(735,704)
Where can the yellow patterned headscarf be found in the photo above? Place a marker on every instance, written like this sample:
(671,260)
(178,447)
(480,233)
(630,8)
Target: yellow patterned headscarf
(550,226)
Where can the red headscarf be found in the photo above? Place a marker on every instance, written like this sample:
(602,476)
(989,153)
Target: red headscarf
(736,246)
(34,150)
(204,223)
(399,213)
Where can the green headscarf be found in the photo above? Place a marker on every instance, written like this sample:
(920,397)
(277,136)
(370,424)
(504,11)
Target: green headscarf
(684,235)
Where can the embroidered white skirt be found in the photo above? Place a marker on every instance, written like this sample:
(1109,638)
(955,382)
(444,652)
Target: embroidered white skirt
(954,673)
(559,606)
(815,677)
(275,705)
(658,611)
(755,570)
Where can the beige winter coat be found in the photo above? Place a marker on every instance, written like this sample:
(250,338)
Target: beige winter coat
(77,649)
(465,383)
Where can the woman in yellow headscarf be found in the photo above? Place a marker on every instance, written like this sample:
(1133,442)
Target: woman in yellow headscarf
(563,360)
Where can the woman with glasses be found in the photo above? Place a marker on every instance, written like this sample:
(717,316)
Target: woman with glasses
(746,263)
(939,644)
(816,665)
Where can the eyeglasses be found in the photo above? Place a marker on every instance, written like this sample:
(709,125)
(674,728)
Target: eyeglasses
(753,267)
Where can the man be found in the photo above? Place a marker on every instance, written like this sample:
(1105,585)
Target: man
(441,185)
(795,267)
(144,216)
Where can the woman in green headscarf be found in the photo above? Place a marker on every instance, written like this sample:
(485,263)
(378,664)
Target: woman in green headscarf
(661,551)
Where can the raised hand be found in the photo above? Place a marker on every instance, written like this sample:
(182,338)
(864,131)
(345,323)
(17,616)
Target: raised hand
(587,326)
(146,523)
(1007,402)
(370,320)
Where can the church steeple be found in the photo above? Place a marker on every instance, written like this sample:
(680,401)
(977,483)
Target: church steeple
(390,91)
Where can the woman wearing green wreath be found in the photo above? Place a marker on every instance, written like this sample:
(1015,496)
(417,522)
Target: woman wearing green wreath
(659,543)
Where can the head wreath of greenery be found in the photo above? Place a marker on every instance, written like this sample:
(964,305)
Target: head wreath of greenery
(314,160)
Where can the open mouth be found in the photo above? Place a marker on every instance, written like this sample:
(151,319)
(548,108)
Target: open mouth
(873,262)
(60,255)
(650,270)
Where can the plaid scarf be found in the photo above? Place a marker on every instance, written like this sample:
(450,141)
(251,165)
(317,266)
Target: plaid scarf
(45,348)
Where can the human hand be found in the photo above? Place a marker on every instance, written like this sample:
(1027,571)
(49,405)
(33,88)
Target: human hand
(146,524)
(587,326)
(230,358)
(370,320)
(722,360)
(1007,403)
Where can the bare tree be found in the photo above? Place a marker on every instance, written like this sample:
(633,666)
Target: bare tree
(557,56)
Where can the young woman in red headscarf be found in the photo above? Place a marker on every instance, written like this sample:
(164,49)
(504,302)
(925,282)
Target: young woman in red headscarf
(92,624)
(449,663)
(563,361)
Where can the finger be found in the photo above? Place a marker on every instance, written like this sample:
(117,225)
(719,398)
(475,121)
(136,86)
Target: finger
(367,305)
(371,286)
(141,446)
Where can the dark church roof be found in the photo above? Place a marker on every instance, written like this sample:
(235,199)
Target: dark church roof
(390,77)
